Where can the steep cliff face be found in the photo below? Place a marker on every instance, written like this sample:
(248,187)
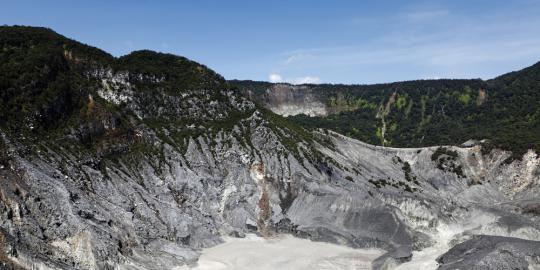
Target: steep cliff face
(289,100)
(492,251)
(146,168)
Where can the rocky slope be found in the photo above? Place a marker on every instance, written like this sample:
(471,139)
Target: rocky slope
(133,166)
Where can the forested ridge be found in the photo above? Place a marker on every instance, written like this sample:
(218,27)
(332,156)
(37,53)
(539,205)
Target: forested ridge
(52,88)
(44,85)
(504,110)
(46,78)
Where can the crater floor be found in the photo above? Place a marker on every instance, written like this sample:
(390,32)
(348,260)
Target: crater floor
(284,253)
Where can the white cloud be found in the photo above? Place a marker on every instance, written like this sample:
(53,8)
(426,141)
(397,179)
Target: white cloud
(459,47)
(275,78)
(306,79)
(422,43)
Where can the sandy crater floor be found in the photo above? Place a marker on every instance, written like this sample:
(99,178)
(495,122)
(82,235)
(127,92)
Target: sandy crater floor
(283,253)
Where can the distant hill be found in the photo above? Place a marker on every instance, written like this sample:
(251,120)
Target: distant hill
(504,110)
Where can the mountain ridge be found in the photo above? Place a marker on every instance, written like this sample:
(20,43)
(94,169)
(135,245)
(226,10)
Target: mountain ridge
(417,113)
(105,168)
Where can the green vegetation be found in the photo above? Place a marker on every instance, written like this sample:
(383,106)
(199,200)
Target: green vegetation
(401,102)
(45,88)
(444,151)
(40,80)
(447,161)
(174,73)
(4,156)
(341,103)
(504,110)
(49,91)
(291,134)
(465,97)
(390,182)
(408,172)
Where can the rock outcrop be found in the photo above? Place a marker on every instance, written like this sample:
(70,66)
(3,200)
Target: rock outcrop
(492,252)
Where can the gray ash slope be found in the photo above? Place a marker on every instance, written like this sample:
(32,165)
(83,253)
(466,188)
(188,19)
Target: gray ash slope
(141,161)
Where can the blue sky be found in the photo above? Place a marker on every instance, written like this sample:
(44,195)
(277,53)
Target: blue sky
(307,41)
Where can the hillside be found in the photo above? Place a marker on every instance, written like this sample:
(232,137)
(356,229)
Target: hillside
(504,110)
(143,161)
(74,111)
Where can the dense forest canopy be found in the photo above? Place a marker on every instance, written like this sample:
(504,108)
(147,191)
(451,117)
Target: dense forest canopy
(504,110)
(44,79)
